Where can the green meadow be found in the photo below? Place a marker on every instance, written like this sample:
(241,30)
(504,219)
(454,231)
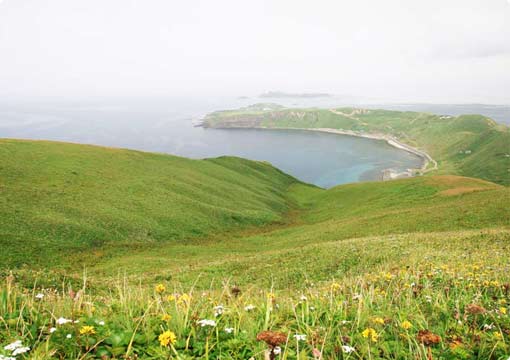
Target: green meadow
(120,254)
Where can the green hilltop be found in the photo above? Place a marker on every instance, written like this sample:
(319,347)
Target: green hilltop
(467,145)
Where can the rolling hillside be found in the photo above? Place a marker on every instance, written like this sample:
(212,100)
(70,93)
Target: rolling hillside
(58,200)
(111,253)
(468,145)
(77,205)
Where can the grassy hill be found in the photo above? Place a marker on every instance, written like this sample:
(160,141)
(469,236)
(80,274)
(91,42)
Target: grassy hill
(468,145)
(58,200)
(168,242)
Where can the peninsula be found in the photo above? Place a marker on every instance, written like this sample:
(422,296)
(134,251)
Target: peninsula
(468,145)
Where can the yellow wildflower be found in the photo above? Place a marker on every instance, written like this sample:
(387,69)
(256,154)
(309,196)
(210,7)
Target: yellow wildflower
(170,298)
(503,310)
(406,325)
(497,335)
(166,317)
(184,299)
(378,320)
(335,286)
(160,288)
(167,338)
(87,330)
(371,334)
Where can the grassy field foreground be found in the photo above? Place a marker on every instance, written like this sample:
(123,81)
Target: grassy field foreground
(119,254)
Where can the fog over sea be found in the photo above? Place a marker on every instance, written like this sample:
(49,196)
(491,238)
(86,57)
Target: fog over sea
(167,126)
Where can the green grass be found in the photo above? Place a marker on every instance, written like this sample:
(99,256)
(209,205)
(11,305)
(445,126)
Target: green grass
(61,199)
(468,145)
(111,224)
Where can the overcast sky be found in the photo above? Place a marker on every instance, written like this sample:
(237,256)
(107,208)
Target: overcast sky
(396,50)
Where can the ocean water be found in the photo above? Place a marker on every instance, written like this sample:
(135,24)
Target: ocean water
(166,125)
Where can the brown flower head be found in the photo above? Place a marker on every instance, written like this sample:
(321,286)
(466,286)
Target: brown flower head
(428,338)
(474,309)
(236,291)
(272,338)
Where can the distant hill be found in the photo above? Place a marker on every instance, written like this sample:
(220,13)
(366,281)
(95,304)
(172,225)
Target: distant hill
(468,145)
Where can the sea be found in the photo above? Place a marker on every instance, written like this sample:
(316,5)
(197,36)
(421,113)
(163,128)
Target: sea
(169,125)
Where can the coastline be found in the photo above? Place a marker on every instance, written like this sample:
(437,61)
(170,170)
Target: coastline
(388,174)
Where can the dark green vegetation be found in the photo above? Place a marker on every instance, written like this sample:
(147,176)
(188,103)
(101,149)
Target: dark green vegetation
(468,145)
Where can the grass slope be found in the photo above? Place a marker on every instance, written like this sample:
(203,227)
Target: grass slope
(468,145)
(286,256)
(359,271)
(60,199)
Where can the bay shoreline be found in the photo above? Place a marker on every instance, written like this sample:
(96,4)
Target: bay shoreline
(387,174)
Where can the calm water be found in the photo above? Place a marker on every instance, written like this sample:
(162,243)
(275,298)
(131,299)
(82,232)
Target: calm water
(167,126)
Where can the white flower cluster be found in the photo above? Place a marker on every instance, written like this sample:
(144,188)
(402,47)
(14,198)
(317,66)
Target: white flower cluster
(348,349)
(206,322)
(300,337)
(63,321)
(15,348)
(218,310)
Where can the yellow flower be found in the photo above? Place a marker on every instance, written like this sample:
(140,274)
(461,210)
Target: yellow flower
(378,320)
(87,330)
(166,317)
(167,338)
(184,299)
(371,334)
(502,310)
(335,286)
(406,325)
(497,335)
(170,298)
(160,288)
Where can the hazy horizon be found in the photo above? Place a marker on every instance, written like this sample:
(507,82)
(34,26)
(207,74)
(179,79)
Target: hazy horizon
(393,51)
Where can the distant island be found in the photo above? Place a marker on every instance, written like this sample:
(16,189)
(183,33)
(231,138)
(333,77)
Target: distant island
(468,145)
(281,94)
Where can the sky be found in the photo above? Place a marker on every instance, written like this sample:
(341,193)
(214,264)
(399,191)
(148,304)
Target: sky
(442,51)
